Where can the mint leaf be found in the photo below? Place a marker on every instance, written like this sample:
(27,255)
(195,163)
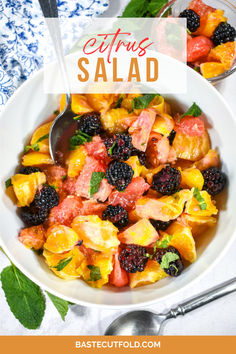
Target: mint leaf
(64,178)
(62,264)
(8,183)
(56,112)
(60,304)
(194,111)
(95,273)
(111,148)
(77,117)
(24,298)
(155,6)
(164,243)
(143,101)
(118,103)
(136,8)
(35,146)
(95,182)
(200,199)
(78,139)
(167,259)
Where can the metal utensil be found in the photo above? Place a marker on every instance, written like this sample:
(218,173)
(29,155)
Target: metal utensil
(137,323)
(64,125)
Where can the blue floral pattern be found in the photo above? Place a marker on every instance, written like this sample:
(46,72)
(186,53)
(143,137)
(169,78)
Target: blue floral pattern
(22,37)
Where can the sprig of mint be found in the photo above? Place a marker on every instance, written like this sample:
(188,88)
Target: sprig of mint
(143,8)
(95,273)
(143,101)
(197,195)
(62,264)
(78,139)
(26,299)
(95,181)
(119,101)
(163,243)
(60,304)
(194,111)
(35,146)
(8,183)
(167,258)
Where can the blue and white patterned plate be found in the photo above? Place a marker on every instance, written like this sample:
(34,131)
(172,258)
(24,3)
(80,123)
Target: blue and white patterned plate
(22,37)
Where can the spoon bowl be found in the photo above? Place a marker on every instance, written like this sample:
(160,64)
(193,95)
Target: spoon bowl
(136,323)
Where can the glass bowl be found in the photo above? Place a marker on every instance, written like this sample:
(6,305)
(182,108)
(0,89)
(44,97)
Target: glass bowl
(174,7)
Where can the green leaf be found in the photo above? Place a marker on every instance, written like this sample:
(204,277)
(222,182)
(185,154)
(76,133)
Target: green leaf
(111,148)
(8,183)
(60,304)
(167,259)
(64,178)
(136,8)
(77,117)
(143,101)
(62,264)
(197,195)
(155,6)
(95,182)
(56,112)
(118,103)
(95,273)
(35,146)
(24,298)
(164,243)
(194,111)
(78,139)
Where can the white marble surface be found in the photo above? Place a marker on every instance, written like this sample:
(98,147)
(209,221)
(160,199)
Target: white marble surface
(217,318)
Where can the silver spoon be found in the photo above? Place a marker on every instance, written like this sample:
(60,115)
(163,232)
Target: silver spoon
(64,124)
(143,322)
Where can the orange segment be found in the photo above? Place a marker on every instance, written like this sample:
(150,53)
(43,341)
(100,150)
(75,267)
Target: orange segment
(213,19)
(198,224)
(151,274)
(133,162)
(25,186)
(76,161)
(212,69)
(223,53)
(141,233)
(69,272)
(105,264)
(40,133)
(191,148)
(60,239)
(192,177)
(96,233)
(36,158)
(193,208)
(79,104)
(183,240)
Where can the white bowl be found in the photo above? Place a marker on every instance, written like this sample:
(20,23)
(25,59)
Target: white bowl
(27,108)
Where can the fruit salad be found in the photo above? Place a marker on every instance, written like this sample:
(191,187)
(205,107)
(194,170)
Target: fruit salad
(211,39)
(136,189)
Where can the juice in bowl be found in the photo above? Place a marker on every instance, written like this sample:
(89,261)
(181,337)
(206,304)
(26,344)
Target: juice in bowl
(137,188)
(211,35)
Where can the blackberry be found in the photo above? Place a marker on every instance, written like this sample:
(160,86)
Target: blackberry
(167,181)
(171,136)
(119,146)
(27,170)
(141,156)
(33,216)
(193,19)
(161,225)
(117,215)
(133,258)
(119,174)
(223,33)
(90,123)
(46,198)
(176,267)
(214,180)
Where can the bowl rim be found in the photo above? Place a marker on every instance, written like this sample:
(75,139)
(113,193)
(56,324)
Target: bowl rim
(111,306)
(227,73)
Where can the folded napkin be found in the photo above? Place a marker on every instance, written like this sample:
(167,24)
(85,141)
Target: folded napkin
(22,37)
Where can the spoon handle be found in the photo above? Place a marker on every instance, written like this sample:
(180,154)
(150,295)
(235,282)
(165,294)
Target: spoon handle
(50,12)
(203,299)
